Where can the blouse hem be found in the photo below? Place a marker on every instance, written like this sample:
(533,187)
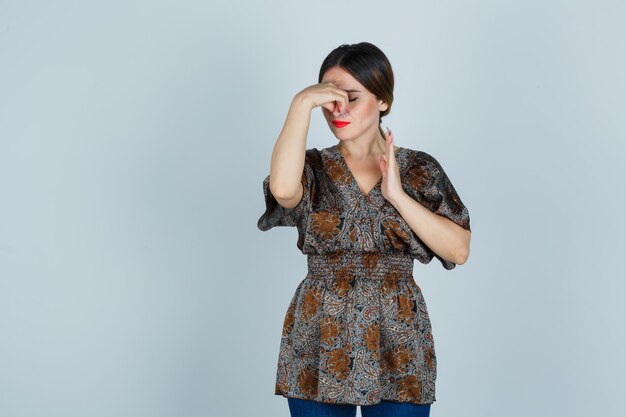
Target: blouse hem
(357,404)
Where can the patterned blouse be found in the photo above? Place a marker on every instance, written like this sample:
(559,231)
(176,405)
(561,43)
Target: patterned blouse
(357,329)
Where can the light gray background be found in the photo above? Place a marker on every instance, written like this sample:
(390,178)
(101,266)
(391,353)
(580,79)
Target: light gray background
(134,138)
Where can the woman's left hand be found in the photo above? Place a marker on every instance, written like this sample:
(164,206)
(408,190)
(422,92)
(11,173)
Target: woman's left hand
(391,185)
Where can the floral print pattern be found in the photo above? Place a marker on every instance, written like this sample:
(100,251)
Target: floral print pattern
(357,329)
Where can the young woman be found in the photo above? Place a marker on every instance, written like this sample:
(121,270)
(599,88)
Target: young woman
(357,330)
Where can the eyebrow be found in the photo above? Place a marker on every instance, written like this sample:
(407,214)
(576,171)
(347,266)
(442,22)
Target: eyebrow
(353,91)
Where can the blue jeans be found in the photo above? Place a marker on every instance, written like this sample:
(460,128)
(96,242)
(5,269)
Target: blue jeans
(308,408)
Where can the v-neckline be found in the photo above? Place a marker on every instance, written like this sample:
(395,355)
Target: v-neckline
(353,179)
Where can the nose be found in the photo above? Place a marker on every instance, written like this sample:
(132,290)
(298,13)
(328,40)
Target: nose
(336,111)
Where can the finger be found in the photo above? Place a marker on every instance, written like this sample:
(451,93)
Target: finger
(333,98)
(333,93)
(334,105)
(392,153)
(383,166)
(386,154)
(341,98)
(330,106)
(389,140)
(334,102)
(341,93)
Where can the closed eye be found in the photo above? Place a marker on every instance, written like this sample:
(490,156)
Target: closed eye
(352,99)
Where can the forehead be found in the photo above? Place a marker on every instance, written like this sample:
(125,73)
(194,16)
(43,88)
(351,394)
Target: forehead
(342,79)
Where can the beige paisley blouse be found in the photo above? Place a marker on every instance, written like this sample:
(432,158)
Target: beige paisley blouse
(357,329)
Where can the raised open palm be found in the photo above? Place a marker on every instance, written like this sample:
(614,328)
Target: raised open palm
(391,185)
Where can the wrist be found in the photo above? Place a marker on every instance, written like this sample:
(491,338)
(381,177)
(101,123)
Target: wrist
(301,102)
(397,200)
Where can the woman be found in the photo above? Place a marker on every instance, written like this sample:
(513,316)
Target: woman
(357,330)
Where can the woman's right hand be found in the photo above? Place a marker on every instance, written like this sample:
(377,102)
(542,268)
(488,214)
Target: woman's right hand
(327,95)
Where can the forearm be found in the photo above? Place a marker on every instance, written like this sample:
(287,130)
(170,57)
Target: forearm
(287,162)
(444,237)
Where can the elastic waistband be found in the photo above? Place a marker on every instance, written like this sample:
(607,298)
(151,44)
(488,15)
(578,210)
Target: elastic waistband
(360,265)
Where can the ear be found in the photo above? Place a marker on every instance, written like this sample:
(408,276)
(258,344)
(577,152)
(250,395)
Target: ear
(383,106)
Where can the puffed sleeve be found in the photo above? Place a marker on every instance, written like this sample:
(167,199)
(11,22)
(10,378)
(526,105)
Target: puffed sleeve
(277,215)
(428,183)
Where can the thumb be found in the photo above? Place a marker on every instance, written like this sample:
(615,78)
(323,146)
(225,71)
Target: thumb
(382,162)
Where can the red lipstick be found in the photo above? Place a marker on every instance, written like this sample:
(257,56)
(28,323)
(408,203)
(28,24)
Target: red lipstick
(340,123)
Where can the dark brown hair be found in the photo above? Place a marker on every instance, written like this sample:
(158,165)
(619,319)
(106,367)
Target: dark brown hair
(369,66)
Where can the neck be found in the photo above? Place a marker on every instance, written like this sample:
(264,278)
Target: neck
(365,146)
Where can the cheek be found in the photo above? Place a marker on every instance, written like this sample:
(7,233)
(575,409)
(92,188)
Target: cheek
(364,113)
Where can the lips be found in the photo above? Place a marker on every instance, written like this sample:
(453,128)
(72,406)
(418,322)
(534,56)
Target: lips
(340,123)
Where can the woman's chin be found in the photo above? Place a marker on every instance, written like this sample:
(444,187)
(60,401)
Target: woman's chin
(340,134)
